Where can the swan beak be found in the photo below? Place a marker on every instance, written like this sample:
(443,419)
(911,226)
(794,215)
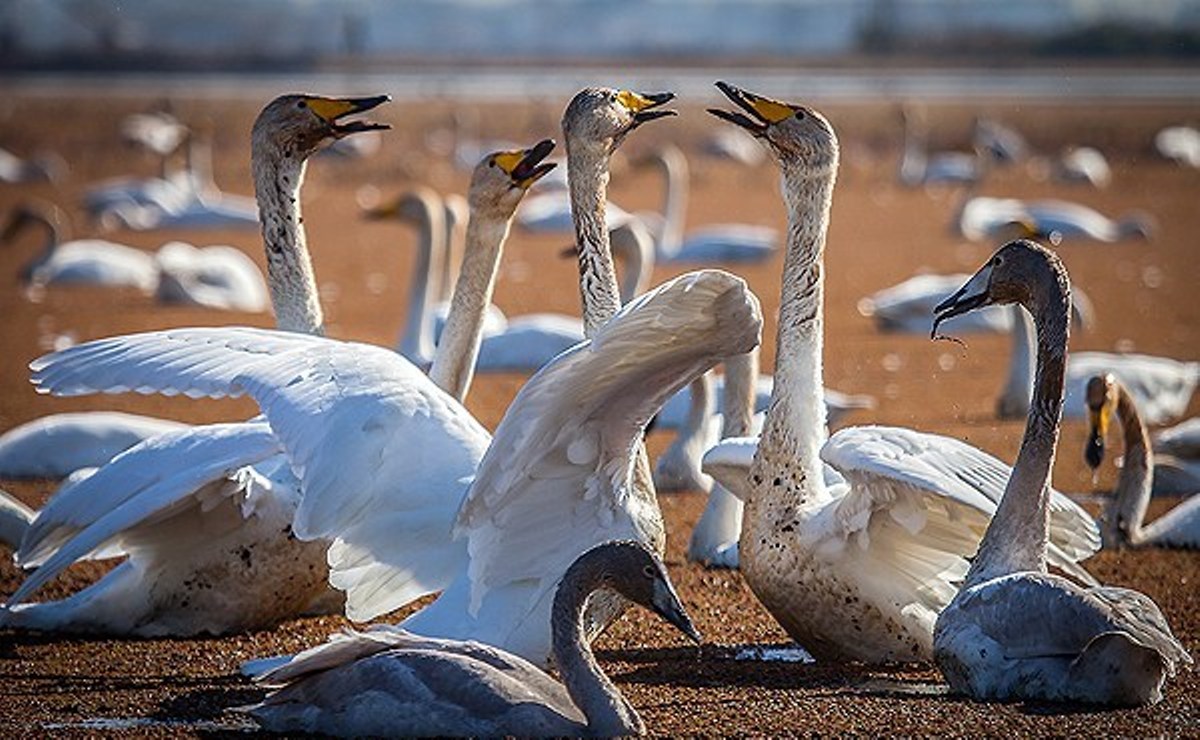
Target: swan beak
(1093,453)
(332,110)
(668,606)
(381,212)
(969,297)
(525,166)
(764,112)
(644,105)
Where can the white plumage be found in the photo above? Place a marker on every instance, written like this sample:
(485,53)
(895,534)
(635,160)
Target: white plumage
(55,446)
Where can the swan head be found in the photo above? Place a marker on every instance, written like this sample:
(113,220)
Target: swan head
(501,179)
(417,206)
(800,138)
(295,126)
(601,117)
(1101,399)
(1010,276)
(632,570)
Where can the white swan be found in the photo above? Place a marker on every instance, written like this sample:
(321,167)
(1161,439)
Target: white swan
(1083,164)
(1162,387)
(57,445)
(678,467)
(906,306)
(858,570)
(983,218)
(79,261)
(158,131)
(1126,509)
(392,682)
(41,168)
(1179,143)
(188,199)
(1177,459)
(1015,631)
(216,276)
(921,167)
(1002,143)
(709,243)
(204,512)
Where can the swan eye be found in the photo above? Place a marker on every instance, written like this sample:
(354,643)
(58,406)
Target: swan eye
(997,261)
(648,572)
(799,115)
(302,104)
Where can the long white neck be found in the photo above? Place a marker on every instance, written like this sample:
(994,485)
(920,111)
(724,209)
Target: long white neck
(457,214)
(199,166)
(277,181)
(49,244)
(454,362)
(675,197)
(587,176)
(786,473)
(635,246)
(608,714)
(416,341)
(1127,510)
(1016,539)
(1018,386)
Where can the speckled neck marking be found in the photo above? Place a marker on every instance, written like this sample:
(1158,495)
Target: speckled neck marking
(277,180)
(587,175)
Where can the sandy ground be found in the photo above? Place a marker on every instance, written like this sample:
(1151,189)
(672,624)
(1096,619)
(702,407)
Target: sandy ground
(881,233)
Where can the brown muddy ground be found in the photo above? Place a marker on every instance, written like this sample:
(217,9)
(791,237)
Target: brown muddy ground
(1145,296)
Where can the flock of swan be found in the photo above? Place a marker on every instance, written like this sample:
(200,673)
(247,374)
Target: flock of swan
(365,484)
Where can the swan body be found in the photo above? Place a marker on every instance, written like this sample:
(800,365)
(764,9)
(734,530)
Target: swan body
(551,212)
(390,682)
(675,412)
(203,514)
(1002,143)
(712,243)
(1179,143)
(55,446)
(1126,509)
(214,277)
(906,307)
(921,167)
(983,218)
(158,131)
(1161,387)
(1083,164)
(1015,631)
(80,261)
(15,170)
(857,570)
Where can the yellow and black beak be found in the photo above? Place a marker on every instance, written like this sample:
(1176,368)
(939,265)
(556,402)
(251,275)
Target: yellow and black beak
(1093,453)
(333,110)
(644,106)
(525,166)
(764,112)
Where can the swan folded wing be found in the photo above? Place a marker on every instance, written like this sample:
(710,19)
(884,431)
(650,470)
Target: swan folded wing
(172,456)
(168,476)
(198,362)
(558,476)
(967,476)
(1014,611)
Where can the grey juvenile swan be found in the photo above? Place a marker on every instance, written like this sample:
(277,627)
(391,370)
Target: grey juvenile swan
(1015,631)
(1124,513)
(392,682)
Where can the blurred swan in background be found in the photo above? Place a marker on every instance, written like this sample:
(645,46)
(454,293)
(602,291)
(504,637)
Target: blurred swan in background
(906,307)
(918,166)
(1161,387)
(44,167)
(390,682)
(711,242)
(1177,459)
(983,218)
(856,570)
(216,276)
(57,445)
(79,261)
(1179,143)
(1125,511)
(1083,164)
(1015,631)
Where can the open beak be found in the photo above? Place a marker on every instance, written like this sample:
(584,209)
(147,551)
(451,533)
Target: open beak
(969,297)
(668,606)
(1093,453)
(525,166)
(644,106)
(333,110)
(764,112)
